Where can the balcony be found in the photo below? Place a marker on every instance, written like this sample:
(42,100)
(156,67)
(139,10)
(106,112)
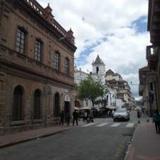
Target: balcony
(141,89)
(154,21)
(152,58)
(32,68)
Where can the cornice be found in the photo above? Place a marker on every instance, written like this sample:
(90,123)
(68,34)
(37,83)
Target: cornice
(23,6)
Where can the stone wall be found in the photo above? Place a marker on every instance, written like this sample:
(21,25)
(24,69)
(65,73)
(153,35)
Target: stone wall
(18,69)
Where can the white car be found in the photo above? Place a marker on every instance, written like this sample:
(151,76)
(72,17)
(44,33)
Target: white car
(121,114)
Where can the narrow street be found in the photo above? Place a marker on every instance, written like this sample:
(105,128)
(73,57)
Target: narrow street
(103,139)
(70,71)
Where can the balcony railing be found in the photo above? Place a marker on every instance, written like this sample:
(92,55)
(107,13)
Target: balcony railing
(41,11)
(36,6)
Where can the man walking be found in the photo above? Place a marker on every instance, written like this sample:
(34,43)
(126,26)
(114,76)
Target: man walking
(138,115)
(75,117)
(62,118)
(156,119)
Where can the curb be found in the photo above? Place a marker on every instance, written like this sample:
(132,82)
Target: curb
(32,138)
(130,144)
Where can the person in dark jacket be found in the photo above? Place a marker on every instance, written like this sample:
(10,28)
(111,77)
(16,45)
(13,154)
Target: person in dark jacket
(138,115)
(67,117)
(156,120)
(62,118)
(75,117)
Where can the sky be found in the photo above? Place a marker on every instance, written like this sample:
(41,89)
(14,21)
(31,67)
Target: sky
(116,30)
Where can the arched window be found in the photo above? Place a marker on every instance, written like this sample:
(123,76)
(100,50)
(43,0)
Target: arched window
(17,108)
(56,104)
(37,104)
(66,65)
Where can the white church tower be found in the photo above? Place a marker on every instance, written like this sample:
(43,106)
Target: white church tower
(98,70)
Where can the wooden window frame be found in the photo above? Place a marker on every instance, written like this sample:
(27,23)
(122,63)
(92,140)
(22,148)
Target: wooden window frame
(66,65)
(38,50)
(21,40)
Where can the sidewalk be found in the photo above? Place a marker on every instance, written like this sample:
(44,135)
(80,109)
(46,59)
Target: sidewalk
(15,138)
(146,143)
(19,137)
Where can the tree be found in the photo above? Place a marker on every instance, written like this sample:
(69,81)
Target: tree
(90,89)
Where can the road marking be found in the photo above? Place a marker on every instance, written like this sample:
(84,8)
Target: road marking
(102,124)
(89,124)
(115,125)
(129,125)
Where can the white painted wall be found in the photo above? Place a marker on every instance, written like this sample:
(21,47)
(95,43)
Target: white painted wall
(111,100)
(79,76)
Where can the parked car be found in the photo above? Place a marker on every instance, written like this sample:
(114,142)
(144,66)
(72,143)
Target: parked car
(121,114)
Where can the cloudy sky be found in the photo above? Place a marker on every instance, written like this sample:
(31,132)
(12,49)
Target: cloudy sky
(113,29)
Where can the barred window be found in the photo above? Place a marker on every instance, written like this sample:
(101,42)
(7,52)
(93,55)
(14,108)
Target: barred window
(38,50)
(56,61)
(66,66)
(20,40)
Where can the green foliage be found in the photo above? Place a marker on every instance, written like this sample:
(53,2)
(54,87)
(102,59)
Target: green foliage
(89,89)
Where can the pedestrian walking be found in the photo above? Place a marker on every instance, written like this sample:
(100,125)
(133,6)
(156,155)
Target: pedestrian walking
(67,117)
(75,117)
(156,120)
(138,115)
(62,118)
(91,116)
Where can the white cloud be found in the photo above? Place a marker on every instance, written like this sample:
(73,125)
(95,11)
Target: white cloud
(92,20)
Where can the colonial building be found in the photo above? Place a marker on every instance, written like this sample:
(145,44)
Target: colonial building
(98,74)
(146,88)
(118,89)
(79,76)
(36,66)
(120,86)
(150,76)
(98,70)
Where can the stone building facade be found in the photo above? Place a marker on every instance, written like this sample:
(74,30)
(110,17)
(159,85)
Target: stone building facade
(36,66)
(147,88)
(121,87)
(150,80)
